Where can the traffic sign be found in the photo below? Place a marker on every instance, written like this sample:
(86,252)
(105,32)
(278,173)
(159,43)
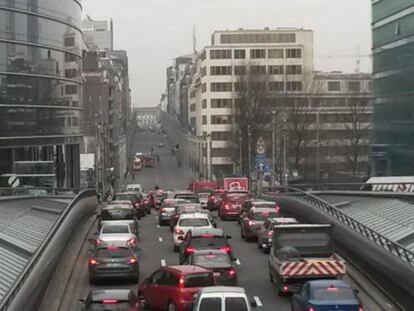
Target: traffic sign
(260,146)
(14,181)
(262,166)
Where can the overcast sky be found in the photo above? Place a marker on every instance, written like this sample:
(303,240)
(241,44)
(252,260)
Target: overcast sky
(155,31)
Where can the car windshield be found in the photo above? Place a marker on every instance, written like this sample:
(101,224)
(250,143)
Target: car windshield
(236,304)
(110,305)
(203,195)
(124,197)
(194,222)
(211,259)
(205,242)
(117,214)
(113,253)
(115,229)
(189,198)
(261,216)
(199,280)
(264,205)
(333,293)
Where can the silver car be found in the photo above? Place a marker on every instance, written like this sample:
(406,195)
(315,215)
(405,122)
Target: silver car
(203,197)
(117,235)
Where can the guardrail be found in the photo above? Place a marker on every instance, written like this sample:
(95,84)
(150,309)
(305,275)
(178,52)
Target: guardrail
(8,191)
(358,186)
(5,303)
(393,247)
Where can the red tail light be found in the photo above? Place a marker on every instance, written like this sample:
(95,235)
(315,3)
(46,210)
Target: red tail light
(285,288)
(190,250)
(212,197)
(109,301)
(360,308)
(226,248)
(181,283)
(93,262)
(269,233)
(131,241)
(311,309)
(277,208)
(231,272)
(132,261)
(162,210)
(136,204)
(226,206)
(98,242)
(251,222)
(178,231)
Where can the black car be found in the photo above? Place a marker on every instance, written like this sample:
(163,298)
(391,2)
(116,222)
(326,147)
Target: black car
(217,260)
(118,214)
(108,262)
(110,300)
(203,238)
(137,201)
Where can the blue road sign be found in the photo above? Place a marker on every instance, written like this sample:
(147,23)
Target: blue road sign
(262,166)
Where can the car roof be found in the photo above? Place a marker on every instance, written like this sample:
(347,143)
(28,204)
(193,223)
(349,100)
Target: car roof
(117,206)
(126,192)
(328,283)
(201,231)
(193,215)
(283,220)
(263,209)
(183,192)
(185,269)
(210,251)
(223,289)
(124,202)
(254,202)
(134,186)
(100,294)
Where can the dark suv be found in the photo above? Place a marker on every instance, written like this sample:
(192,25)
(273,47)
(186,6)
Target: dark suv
(202,238)
(111,300)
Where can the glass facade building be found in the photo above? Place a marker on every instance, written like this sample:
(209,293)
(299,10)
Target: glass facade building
(393,69)
(41,90)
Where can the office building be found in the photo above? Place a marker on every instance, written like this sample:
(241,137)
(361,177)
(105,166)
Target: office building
(98,35)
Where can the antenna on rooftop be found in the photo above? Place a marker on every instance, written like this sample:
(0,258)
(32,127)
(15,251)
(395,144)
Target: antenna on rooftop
(194,40)
(358,61)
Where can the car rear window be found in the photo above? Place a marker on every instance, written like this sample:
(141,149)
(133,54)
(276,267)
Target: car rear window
(235,304)
(203,195)
(115,229)
(216,259)
(199,280)
(210,304)
(194,222)
(99,306)
(333,293)
(238,197)
(260,216)
(190,198)
(112,253)
(125,197)
(117,214)
(204,242)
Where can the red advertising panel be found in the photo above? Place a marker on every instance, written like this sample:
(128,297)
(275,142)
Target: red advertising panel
(236,184)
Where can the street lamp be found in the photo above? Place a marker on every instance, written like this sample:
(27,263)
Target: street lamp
(240,152)
(273,140)
(249,155)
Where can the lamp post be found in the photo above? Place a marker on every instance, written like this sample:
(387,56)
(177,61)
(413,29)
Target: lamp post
(285,169)
(249,155)
(240,152)
(273,140)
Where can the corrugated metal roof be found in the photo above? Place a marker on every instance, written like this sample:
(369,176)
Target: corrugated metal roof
(393,218)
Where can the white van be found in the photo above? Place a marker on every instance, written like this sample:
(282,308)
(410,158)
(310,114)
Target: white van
(223,298)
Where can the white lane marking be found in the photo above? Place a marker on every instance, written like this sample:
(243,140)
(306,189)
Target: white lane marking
(257,300)
(238,262)
(160,239)
(156,217)
(158,226)
(163,263)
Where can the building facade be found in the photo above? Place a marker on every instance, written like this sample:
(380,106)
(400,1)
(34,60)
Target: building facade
(98,34)
(393,69)
(41,91)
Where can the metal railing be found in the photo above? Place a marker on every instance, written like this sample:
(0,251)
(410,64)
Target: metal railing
(393,247)
(36,191)
(8,298)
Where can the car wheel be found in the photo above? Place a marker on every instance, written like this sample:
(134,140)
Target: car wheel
(266,250)
(271,279)
(259,245)
(171,306)
(176,249)
(143,302)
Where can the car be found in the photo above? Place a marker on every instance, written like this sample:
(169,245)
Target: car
(181,209)
(231,204)
(186,195)
(218,261)
(159,197)
(326,295)
(109,262)
(248,204)
(265,232)
(223,298)
(186,222)
(174,287)
(204,238)
(203,198)
(134,187)
(115,214)
(134,198)
(214,200)
(110,300)
(117,235)
(253,220)
(167,209)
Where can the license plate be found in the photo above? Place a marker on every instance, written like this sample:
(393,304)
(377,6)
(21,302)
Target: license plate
(114,264)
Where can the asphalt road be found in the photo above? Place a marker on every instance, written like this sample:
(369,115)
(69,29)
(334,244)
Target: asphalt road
(156,248)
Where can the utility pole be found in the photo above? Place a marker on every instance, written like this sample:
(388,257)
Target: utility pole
(249,156)
(285,169)
(273,141)
(240,152)
(318,149)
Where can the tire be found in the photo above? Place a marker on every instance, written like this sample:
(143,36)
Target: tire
(271,279)
(259,246)
(176,249)
(266,250)
(143,301)
(171,306)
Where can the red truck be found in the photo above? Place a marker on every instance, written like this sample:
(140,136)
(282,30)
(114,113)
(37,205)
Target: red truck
(197,186)
(236,184)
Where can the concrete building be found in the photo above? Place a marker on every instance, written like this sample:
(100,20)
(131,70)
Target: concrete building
(41,92)
(393,70)
(98,35)
(147,116)
(283,55)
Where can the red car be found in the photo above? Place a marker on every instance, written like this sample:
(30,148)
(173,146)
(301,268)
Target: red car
(231,204)
(214,200)
(174,287)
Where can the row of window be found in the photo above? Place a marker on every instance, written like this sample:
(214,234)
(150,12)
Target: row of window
(254,53)
(352,86)
(254,69)
(218,119)
(294,86)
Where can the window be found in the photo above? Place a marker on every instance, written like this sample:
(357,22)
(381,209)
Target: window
(192,94)
(236,304)
(221,152)
(221,135)
(276,53)
(204,120)
(239,54)
(71,89)
(277,86)
(204,104)
(293,53)
(257,38)
(294,86)
(203,55)
(70,58)
(221,103)
(239,70)
(369,86)
(203,71)
(354,86)
(257,53)
(204,88)
(276,70)
(294,69)
(220,71)
(193,107)
(258,70)
(70,41)
(208,304)
(221,87)
(220,54)
(220,119)
(70,73)
(334,86)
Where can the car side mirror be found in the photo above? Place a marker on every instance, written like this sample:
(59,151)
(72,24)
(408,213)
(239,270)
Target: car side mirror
(228,236)
(181,238)
(253,303)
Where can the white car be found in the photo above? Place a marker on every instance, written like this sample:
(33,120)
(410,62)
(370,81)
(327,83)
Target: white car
(223,298)
(187,222)
(203,196)
(134,187)
(117,235)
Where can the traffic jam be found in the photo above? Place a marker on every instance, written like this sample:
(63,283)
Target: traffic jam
(302,265)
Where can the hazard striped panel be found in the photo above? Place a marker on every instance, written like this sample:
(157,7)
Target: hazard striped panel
(314,268)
